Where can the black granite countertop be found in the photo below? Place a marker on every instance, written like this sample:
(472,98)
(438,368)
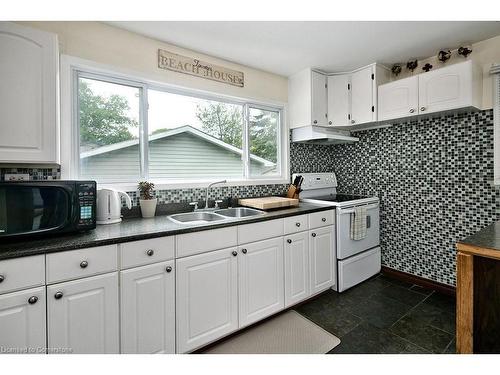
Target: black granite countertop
(487,238)
(137,229)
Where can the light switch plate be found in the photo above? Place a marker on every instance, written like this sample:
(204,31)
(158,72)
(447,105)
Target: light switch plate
(17,177)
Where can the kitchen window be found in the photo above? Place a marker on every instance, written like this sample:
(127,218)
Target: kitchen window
(130,130)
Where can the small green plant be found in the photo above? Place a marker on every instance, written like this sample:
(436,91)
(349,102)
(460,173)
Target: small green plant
(146,190)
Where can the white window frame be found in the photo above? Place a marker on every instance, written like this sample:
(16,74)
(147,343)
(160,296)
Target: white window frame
(70,162)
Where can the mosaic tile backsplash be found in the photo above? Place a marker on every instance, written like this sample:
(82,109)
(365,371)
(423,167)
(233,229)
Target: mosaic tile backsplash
(37,174)
(434,178)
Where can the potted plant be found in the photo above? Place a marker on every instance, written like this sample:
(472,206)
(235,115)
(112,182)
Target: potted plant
(147,200)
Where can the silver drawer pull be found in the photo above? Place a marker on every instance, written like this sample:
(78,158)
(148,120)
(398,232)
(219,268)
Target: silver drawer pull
(323,219)
(297,225)
(168,269)
(84,264)
(58,295)
(2,278)
(289,241)
(150,252)
(313,234)
(32,300)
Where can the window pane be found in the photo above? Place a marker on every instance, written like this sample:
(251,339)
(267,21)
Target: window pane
(109,131)
(192,138)
(263,139)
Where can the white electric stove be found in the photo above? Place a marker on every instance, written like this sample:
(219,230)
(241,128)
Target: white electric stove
(357,260)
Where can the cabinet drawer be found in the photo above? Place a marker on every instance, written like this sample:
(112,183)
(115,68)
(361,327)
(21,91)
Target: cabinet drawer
(75,264)
(260,231)
(138,253)
(321,219)
(296,224)
(22,273)
(208,240)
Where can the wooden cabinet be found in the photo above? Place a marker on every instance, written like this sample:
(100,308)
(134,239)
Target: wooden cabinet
(147,309)
(28,95)
(23,321)
(206,298)
(322,258)
(339,100)
(260,270)
(83,315)
(398,99)
(451,87)
(297,274)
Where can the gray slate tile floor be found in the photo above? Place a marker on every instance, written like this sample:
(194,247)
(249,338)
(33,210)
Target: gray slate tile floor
(384,315)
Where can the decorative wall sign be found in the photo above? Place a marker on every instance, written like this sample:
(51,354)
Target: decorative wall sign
(427,67)
(187,65)
(444,55)
(412,65)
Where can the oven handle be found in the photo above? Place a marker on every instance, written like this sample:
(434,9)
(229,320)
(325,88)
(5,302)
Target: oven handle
(351,211)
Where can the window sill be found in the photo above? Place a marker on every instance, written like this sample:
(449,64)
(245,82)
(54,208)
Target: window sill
(168,185)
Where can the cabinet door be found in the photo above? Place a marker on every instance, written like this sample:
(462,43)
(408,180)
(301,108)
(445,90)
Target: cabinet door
(322,258)
(319,101)
(338,100)
(206,298)
(83,315)
(22,321)
(261,289)
(148,309)
(297,279)
(445,88)
(398,99)
(28,94)
(362,105)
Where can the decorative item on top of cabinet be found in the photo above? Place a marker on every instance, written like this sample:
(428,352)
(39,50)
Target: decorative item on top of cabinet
(29,74)
(396,69)
(427,67)
(412,65)
(444,55)
(464,51)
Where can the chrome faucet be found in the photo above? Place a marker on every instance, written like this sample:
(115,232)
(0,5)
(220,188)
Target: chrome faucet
(208,188)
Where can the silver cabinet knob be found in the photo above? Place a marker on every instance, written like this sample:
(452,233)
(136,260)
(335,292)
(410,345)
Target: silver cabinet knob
(289,241)
(422,109)
(353,122)
(323,219)
(244,251)
(32,300)
(2,278)
(234,253)
(313,234)
(412,110)
(315,121)
(84,264)
(58,295)
(329,122)
(150,252)
(168,269)
(297,225)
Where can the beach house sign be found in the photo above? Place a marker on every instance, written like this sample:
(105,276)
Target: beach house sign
(183,64)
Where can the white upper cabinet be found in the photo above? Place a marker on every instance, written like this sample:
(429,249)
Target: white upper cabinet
(362,98)
(319,100)
(398,99)
(455,86)
(339,100)
(29,65)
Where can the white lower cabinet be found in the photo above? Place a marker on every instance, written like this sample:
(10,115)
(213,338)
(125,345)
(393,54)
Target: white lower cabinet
(260,271)
(22,321)
(206,298)
(322,258)
(147,309)
(297,279)
(83,315)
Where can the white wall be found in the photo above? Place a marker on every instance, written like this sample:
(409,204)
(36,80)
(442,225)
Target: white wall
(109,45)
(484,53)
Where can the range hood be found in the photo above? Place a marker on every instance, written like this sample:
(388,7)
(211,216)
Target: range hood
(321,135)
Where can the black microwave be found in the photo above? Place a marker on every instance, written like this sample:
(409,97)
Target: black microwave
(39,208)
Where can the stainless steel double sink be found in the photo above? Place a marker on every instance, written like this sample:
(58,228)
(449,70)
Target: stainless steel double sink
(201,217)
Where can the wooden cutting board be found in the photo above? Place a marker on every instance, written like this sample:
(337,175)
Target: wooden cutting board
(268,203)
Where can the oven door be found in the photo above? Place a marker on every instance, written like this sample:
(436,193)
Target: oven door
(32,209)
(347,247)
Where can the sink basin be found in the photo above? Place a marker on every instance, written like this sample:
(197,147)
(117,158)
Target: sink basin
(196,217)
(239,212)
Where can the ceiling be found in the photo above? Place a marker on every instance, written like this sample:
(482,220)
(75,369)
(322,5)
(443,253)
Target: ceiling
(284,47)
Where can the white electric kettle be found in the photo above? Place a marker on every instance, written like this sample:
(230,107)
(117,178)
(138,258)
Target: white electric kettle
(109,205)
